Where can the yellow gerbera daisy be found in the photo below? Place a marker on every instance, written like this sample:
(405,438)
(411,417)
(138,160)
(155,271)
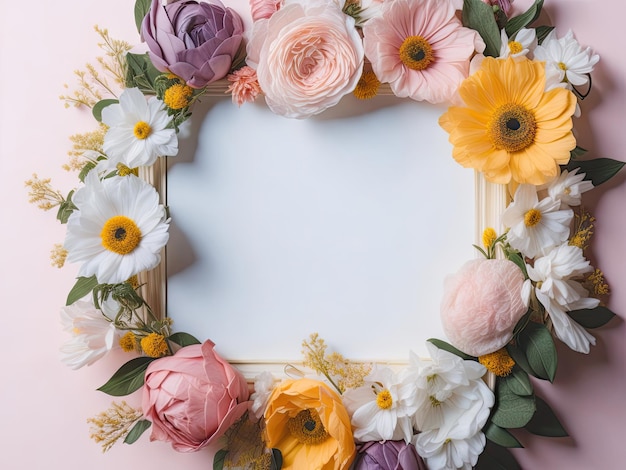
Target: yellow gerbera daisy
(511,129)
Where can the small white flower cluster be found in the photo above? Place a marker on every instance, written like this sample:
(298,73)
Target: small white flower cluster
(539,229)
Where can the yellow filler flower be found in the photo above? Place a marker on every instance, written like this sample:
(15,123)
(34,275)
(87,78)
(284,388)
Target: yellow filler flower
(511,128)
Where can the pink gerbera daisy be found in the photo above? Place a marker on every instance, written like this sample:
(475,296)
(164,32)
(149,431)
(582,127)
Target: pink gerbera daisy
(420,48)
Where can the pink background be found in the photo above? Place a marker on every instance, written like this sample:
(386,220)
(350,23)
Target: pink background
(45,404)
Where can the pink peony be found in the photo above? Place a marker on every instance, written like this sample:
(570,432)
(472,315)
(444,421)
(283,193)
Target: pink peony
(308,55)
(193,397)
(420,48)
(481,305)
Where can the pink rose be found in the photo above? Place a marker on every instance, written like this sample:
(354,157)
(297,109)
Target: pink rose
(307,55)
(264,8)
(481,305)
(193,397)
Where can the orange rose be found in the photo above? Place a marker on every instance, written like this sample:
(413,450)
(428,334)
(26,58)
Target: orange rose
(306,420)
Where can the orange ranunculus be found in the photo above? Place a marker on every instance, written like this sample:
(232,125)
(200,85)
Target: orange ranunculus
(306,420)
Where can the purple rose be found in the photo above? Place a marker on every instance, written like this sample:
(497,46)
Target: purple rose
(195,41)
(388,455)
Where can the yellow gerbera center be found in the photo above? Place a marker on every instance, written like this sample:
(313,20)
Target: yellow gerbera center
(498,362)
(384,400)
(416,53)
(489,236)
(512,128)
(515,47)
(178,96)
(307,427)
(120,235)
(128,342)
(142,130)
(154,345)
(367,87)
(532,217)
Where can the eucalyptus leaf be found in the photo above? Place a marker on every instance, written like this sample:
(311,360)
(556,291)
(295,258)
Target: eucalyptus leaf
(597,170)
(82,287)
(479,16)
(500,436)
(218,459)
(138,429)
(142,7)
(99,106)
(512,410)
(448,347)
(592,317)
(518,382)
(519,357)
(496,457)
(128,378)
(525,19)
(183,339)
(544,422)
(538,346)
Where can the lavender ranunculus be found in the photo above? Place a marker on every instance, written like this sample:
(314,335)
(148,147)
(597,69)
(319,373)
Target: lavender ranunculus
(388,455)
(195,40)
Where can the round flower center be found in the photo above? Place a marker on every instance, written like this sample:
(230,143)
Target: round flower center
(178,96)
(532,218)
(416,53)
(154,345)
(123,170)
(120,235)
(512,128)
(307,428)
(142,130)
(498,362)
(367,87)
(384,399)
(562,66)
(515,47)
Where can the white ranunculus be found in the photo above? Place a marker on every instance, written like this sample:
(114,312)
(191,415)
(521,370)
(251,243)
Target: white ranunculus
(447,452)
(568,188)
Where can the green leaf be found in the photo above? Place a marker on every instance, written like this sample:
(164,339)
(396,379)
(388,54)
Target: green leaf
(87,167)
(541,33)
(141,73)
(83,286)
(218,460)
(183,339)
(448,347)
(525,19)
(128,378)
(495,457)
(516,258)
(544,422)
(592,317)
(512,410)
(138,429)
(99,106)
(577,152)
(519,357)
(519,382)
(479,16)
(277,459)
(142,7)
(597,170)
(536,342)
(66,208)
(500,436)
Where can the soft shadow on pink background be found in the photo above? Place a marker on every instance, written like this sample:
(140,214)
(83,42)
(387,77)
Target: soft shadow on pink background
(45,405)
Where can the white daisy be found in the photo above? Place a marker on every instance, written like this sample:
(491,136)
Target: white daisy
(565,57)
(118,229)
(382,408)
(521,46)
(138,130)
(568,188)
(535,226)
(93,334)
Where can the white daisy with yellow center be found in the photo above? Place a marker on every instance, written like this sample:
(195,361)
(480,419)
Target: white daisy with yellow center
(139,130)
(118,229)
(520,45)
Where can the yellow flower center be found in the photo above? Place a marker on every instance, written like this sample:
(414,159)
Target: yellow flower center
(515,47)
(123,170)
(532,218)
(307,427)
(416,53)
(384,400)
(498,362)
(512,128)
(489,236)
(142,130)
(562,66)
(120,235)
(433,401)
(178,96)
(128,342)
(367,87)
(154,345)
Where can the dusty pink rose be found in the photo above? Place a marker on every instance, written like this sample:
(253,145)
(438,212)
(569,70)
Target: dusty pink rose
(308,55)
(263,9)
(481,305)
(192,397)
(244,86)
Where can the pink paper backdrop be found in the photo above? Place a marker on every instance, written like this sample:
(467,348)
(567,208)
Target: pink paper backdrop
(45,405)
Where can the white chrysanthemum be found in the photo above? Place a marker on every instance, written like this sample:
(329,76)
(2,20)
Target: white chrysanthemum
(138,130)
(535,226)
(448,452)
(263,385)
(93,334)
(118,228)
(559,291)
(521,45)
(568,188)
(382,408)
(567,58)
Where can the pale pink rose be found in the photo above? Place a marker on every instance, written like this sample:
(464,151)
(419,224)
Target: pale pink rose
(244,86)
(263,9)
(420,48)
(481,305)
(308,55)
(193,397)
